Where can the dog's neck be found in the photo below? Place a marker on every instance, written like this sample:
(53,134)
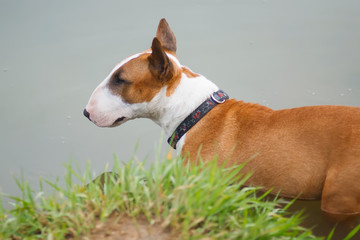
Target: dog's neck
(189,94)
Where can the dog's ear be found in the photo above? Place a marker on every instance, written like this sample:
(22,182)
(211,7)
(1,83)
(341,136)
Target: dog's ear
(160,65)
(166,36)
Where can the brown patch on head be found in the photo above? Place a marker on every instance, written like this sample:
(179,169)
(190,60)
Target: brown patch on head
(140,79)
(189,73)
(172,84)
(134,82)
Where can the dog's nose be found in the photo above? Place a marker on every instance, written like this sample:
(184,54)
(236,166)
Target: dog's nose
(86,114)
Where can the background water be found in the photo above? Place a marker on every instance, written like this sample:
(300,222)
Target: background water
(53,54)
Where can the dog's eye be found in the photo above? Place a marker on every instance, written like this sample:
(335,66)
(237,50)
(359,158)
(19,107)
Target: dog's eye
(118,80)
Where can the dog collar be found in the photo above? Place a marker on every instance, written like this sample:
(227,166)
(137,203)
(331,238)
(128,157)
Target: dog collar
(215,99)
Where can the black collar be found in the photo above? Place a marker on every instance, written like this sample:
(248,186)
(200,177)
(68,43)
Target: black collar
(215,98)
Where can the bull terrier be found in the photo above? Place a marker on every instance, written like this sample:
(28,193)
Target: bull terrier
(307,152)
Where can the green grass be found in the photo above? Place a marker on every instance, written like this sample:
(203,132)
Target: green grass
(196,201)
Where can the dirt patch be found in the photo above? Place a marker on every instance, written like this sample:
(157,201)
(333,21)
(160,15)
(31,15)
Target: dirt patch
(128,228)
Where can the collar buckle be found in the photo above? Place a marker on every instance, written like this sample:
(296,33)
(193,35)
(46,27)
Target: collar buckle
(219,97)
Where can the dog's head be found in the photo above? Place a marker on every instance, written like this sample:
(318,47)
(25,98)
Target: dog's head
(137,84)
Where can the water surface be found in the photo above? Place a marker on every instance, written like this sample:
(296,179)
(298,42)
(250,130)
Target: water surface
(53,54)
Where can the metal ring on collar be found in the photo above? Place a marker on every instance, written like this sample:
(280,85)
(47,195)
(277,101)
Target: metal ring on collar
(222,100)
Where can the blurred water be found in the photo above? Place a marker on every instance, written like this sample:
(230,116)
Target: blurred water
(53,54)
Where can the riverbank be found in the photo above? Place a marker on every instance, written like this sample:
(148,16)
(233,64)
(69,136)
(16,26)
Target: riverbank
(165,201)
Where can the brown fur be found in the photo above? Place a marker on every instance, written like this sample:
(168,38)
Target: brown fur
(166,36)
(310,152)
(189,73)
(143,77)
(139,86)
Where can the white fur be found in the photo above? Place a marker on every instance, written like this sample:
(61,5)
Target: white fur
(168,112)
(104,107)
(189,94)
(174,59)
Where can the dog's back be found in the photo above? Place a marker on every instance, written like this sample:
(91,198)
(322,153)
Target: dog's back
(294,150)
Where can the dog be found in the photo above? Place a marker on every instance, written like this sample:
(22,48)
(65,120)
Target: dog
(307,153)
